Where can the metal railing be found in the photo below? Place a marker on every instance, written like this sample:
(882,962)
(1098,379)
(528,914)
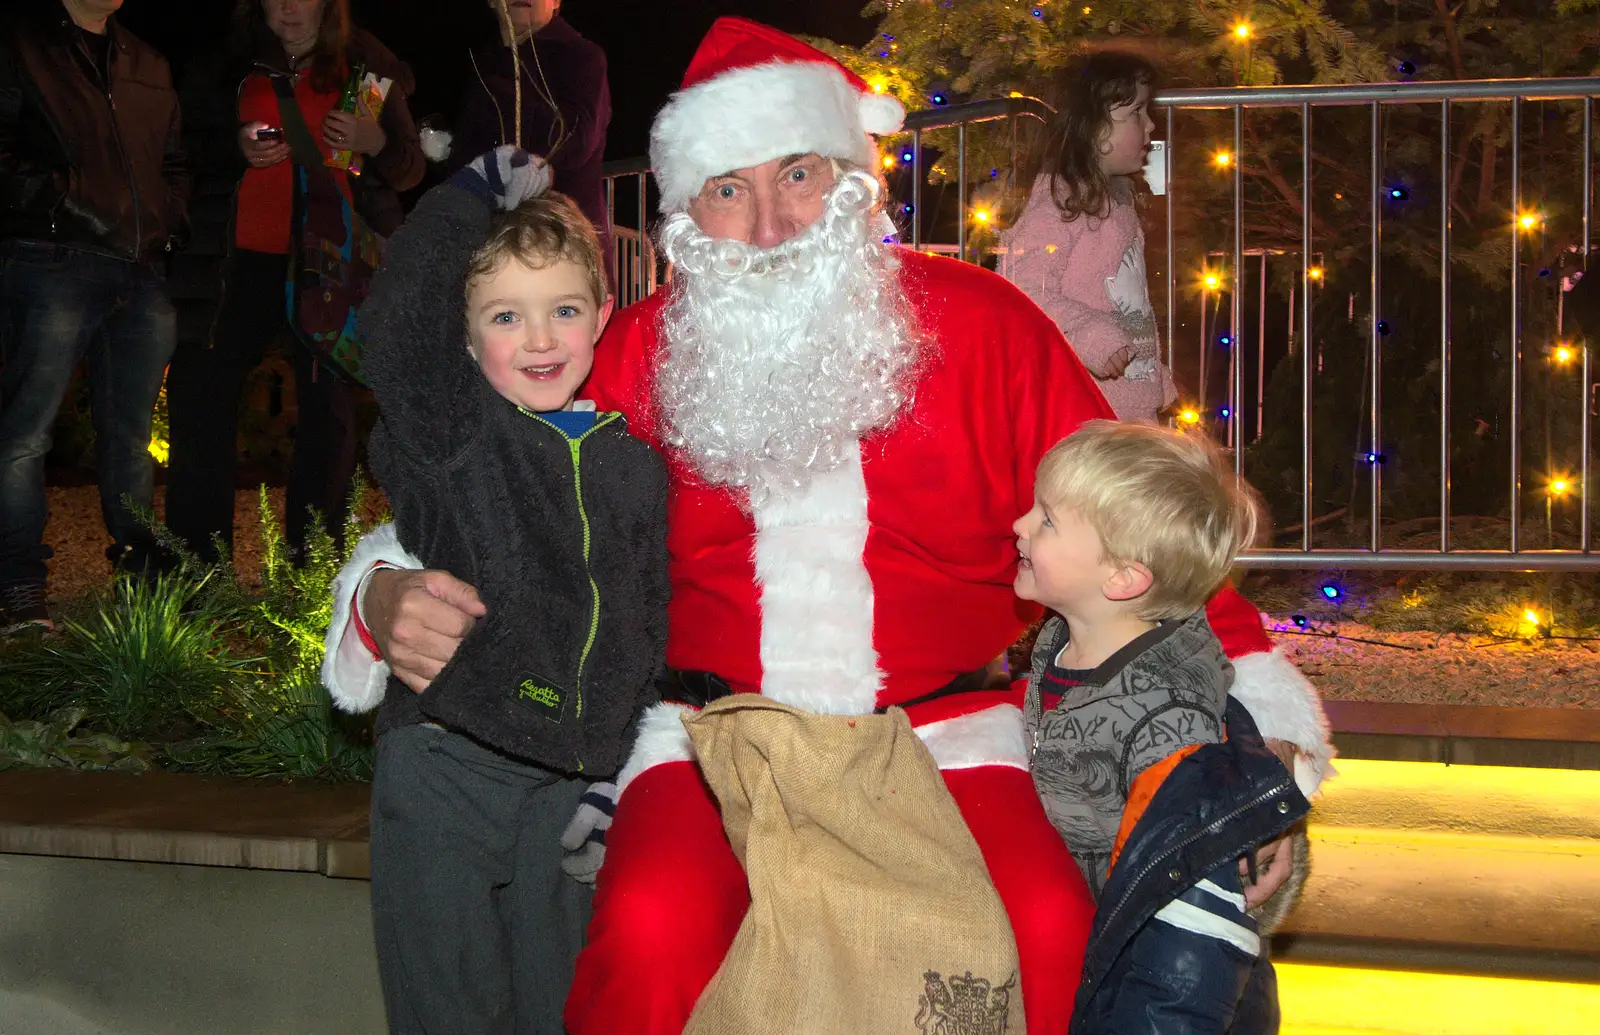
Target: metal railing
(642,276)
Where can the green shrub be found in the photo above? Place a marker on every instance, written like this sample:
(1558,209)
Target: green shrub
(216,674)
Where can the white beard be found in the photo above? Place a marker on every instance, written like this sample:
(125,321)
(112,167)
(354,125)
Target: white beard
(778,359)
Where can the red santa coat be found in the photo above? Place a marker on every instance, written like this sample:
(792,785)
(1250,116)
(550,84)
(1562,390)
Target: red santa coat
(892,575)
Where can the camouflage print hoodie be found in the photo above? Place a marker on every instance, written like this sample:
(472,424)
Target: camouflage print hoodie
(1164,691)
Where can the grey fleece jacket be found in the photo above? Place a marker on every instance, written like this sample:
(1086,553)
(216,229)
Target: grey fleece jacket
(1164,691)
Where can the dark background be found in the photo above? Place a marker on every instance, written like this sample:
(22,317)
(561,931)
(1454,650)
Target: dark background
(648,44)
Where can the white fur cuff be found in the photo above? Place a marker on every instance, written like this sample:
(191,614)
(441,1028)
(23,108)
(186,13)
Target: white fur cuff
(993,736)
(661,738)
(355,681)
(1285,706)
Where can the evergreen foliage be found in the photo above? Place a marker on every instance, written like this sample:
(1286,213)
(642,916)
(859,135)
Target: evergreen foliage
(194,669)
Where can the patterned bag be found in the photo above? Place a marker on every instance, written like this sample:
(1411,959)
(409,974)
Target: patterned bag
(871,908)
(332,252)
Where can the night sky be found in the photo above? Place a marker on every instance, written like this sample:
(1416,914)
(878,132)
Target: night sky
(648,44)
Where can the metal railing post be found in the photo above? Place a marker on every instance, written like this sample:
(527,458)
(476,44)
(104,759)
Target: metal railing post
(1235,314)
(1583,384)
(1375,353)
(1444,325)
(1306,343)
(1516,323)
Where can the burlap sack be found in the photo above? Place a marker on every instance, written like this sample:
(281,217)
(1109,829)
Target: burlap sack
(871,909)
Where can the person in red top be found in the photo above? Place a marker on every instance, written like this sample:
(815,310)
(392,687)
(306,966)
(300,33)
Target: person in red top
(850,430)
(310,45)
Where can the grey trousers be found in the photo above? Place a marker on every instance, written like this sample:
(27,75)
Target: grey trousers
(477,927)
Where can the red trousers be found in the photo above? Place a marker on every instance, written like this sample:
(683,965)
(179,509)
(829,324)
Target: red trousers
(672,895)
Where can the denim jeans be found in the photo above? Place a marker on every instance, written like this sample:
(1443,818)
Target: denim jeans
(59,305)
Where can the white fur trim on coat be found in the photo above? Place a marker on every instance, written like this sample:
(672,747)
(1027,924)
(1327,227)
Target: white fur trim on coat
(661,738)
(994,736)
(1285,706)
(816,595)
(752,115)
(354,680)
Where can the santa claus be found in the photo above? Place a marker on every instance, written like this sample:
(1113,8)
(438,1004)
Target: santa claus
(851,428)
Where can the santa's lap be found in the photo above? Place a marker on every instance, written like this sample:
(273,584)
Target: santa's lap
(672,895)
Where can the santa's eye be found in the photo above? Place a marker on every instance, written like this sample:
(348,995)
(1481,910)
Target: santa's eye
(726,192)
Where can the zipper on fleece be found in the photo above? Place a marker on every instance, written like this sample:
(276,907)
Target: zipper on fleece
(574,446)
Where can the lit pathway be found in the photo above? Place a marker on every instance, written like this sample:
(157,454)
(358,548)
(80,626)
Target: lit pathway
(1499,864)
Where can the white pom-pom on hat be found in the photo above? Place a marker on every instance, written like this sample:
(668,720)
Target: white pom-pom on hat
(881,114)
(435,143)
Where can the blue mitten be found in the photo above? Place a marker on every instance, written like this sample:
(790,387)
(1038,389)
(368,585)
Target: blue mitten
(505,177)
(584,840)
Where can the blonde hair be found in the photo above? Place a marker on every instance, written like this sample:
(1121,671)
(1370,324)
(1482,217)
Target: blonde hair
(1166,500)
(538,233)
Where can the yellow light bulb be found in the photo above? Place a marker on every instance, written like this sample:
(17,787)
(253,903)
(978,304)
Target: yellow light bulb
(879,84)
(1212,281)
(1222,159)
(1563,354)
(981,215)
(1531,616)
(1315,273)
(1190,416)
(1242,30)
(1559,487)
(1528,220)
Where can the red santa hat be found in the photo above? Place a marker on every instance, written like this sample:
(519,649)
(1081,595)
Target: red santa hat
(753,94)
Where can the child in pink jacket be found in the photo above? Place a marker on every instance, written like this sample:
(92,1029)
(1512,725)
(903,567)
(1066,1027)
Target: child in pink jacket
(1077,249)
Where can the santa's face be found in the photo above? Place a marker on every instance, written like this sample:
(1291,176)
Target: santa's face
(767,204)
(780,357)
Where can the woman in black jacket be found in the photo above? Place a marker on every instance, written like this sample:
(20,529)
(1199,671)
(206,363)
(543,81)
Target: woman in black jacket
(307,47)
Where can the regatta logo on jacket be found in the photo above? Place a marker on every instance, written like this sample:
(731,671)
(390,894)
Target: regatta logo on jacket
(545,698)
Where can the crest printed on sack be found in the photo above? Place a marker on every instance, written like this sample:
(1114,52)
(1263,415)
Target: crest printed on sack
(963,1005)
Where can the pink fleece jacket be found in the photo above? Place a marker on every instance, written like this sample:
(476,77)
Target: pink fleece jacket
(1088,275)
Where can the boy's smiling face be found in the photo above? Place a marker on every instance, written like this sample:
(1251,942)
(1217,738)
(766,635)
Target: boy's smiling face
(1061,561)
(533,331)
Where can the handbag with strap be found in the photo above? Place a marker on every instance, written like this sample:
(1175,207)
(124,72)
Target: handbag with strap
(332,251)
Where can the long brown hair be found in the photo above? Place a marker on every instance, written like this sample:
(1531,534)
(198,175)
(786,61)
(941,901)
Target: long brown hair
(1083,93)
(327,55)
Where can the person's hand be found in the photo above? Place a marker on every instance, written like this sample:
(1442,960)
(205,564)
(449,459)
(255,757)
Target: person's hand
(1284,750)
(418,620)
(1274,862)
(344,131)
(505,177)
(584,840)
(261,153)
(1114,365)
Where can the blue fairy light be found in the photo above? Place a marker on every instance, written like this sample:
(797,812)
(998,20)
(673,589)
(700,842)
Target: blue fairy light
(1225,339)
(1383,327)
(1332,590)
(1399,193)
(907,155)
(1225,413)
(1299,621)
(939,100)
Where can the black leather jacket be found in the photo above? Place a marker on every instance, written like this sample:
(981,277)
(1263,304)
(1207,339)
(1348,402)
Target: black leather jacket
(87,162)
(1215,805)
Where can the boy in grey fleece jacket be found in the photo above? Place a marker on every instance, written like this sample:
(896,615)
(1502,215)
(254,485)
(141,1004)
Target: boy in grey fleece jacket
(1133,529)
